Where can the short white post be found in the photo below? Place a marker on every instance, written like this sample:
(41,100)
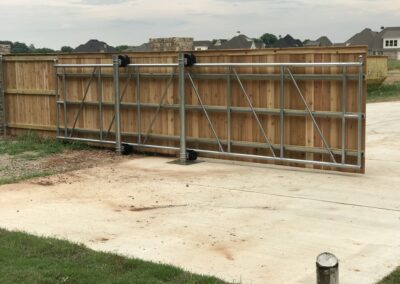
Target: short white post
(327,269)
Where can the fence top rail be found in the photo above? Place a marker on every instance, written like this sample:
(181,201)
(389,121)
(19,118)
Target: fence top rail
(82,65)
(281,64)
(275,64)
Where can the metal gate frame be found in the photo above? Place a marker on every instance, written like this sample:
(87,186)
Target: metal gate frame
(185,75)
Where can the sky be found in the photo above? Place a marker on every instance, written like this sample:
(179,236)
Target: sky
(56,23)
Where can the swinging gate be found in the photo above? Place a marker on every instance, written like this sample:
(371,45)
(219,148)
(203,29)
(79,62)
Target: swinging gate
(290,113)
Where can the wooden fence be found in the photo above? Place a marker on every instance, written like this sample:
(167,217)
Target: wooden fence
(377,69)
(30,100)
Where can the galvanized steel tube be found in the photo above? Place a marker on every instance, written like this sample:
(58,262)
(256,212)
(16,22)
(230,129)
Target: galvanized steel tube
(117,105)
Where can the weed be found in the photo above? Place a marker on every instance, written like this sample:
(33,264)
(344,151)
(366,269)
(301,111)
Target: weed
(393,64)
(383,93)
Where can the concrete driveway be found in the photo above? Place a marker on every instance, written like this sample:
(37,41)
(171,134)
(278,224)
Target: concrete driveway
(241,222)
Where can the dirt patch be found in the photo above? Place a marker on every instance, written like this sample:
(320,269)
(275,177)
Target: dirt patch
(18,167)
(224,251)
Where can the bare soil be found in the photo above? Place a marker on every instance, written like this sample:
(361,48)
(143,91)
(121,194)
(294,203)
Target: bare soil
(69,160)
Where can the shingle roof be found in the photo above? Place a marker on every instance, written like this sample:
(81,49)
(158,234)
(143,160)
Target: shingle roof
(324,41)
(287,41)
(238,42)
(95,45)
(367,37)
(202,43)
(390,32)
(141,48)
(312,43)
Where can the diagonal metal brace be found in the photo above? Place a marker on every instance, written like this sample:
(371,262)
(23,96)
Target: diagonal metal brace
(121,97)
(82,101)
(205,112)
(255,114)
(159,106)
(326,145)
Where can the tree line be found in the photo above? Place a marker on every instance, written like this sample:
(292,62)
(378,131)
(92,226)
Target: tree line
(21,47)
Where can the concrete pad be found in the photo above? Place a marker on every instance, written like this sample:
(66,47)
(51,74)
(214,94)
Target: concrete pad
(239,221)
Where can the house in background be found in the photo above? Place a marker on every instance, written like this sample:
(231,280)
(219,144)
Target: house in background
(367,37)
(164,44)
(202,44)
(219,42)
(95,45)
(386,42)
(141,48)
(287,41)
(390,39)
(322,41)
(238,42)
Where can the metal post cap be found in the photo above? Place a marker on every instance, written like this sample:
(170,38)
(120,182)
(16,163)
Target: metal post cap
(327,260)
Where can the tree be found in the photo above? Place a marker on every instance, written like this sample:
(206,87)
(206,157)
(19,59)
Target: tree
(268,39)
(20,47)
(67,49)
(121,48)
(43,50)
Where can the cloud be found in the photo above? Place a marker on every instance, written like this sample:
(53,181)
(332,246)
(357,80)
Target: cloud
(104,2)
(54,23)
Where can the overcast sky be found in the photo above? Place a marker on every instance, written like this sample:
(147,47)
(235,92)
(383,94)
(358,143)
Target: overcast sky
(54,23)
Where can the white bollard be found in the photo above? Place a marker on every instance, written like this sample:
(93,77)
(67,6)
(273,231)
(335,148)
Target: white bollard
(327,269)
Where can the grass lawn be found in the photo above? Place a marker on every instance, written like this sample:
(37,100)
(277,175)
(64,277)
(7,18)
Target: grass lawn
(393,64)
(31,146)
(383,93)
(29,259)
(393,278)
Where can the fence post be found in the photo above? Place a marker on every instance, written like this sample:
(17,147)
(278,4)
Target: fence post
(2,100)
(56,97)
(117,105)
(182,152)
(327,269)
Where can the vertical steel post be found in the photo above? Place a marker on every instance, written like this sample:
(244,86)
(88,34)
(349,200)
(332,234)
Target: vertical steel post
(182,150)
(344,102)
(228,109)
(64,92)
(100,99)
(138,116)
(359,109)
(56,97)
(117,105)
(282,113)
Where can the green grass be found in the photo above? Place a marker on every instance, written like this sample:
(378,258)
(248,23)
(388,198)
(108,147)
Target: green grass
(383,93)
(393,278)
(393,64)
(29,259)
(30,146)
(25,176)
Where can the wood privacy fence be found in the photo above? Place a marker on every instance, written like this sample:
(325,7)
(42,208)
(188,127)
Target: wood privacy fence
(377,69)
(252,111)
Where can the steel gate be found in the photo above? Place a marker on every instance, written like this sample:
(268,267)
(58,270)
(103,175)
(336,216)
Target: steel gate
(187,75)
